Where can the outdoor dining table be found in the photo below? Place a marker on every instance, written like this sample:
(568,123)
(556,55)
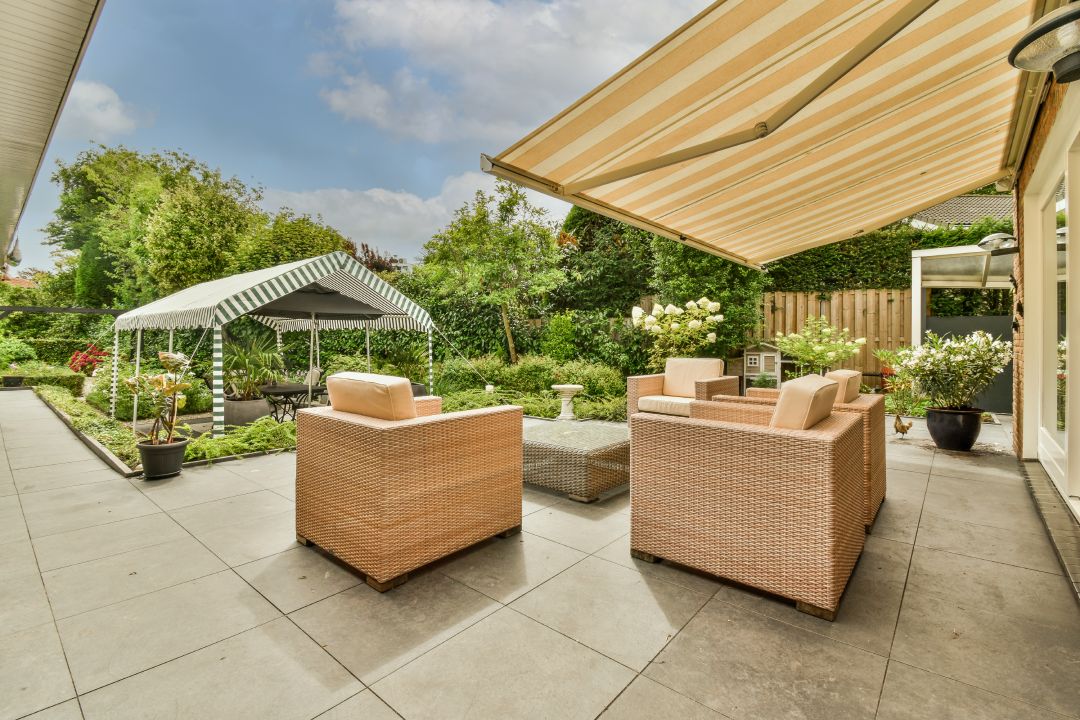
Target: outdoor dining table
(286,398)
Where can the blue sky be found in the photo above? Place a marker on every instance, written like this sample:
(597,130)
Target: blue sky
(372,113)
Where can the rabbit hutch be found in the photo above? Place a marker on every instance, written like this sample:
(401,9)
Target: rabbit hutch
(758,362)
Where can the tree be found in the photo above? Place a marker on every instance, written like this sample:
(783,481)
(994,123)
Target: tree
(682,273)
(608,264)
(289,237)
(499,247)
(378,261)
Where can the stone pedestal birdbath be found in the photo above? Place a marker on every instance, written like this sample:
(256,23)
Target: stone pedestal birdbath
(567,393)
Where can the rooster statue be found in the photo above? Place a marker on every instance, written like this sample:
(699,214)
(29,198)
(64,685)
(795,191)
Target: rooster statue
(901,427)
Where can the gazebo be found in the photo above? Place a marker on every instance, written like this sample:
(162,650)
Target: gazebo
(329,292)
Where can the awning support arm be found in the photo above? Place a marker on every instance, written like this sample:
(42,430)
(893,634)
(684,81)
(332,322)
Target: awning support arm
(904,17)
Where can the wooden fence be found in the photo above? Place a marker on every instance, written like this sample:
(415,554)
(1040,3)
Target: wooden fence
(883,317)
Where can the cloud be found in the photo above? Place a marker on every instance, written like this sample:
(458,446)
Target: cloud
(94,111)
(481,69)
(394,220)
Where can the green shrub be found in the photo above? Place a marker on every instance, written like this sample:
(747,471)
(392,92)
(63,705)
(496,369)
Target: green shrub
(538,404)
(57,351)
(34,373)
(263,435)
(530,374)
(598,380)
(764,381)
(14,350)
(457,374)
(557,341)
(612,408)
(117,437)
(200,399)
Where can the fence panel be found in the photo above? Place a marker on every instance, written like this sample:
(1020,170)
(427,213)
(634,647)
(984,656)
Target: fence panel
(883,317)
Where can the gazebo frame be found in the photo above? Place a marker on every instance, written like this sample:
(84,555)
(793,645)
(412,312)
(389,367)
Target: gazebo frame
(329,292)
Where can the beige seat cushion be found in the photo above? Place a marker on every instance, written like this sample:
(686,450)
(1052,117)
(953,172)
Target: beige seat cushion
(804,402)
(378,396)
(665,405)
(849,382)
(680,374)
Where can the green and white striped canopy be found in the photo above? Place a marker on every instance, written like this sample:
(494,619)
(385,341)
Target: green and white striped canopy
(334,290)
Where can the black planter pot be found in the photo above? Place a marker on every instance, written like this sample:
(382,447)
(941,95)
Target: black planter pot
(13,381)
(954,429)
(162,461)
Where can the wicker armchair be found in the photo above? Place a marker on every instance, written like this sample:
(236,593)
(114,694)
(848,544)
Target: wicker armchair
(390,496)
(872,410)
(777,509)
(683,380)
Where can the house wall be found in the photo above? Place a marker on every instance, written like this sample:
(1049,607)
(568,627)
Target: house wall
(1048,113)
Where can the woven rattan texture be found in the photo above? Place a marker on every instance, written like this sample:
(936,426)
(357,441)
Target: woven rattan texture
(585,473)
(387,498)
(776,509)
(872,409)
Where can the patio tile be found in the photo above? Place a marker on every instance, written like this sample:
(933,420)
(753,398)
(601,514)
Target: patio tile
(506,568)
(55,435)
(906,484)
(581,527)
(23,603)
(12,525)
(983,503)
(977,466)
(267,471)
(116,641)
(619,612)
(746,665)
(533,499)
(1024,549)
(64,711)
(868,609)
(108,580)
(618,552)
(78,546)
(271,672)
(647,699)
(7,487)
(910,463)
(194,486)
(51,477)
(364,706)
(217,514)
(286,491)
(58,453)
(506,666)
(253,539)
(33,673)
(374,634)
(56,511)
(898,518)
(913,694)
(297,577)
(17,559)
(1036,663)
(993,587)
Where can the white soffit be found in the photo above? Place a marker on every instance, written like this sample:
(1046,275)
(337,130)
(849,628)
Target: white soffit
(41,45)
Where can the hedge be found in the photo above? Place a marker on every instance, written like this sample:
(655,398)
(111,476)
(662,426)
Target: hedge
(56,351)
(34,373)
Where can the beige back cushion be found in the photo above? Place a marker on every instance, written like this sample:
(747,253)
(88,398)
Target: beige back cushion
(849,382)
(378,396)
(680,374)
(804,402)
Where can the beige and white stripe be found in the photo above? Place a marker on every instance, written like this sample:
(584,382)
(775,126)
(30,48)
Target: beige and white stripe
(925,115)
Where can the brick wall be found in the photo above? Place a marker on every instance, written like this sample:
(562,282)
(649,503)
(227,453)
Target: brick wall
(1045,120)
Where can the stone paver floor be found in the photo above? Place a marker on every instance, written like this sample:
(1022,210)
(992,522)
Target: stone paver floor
(189,598)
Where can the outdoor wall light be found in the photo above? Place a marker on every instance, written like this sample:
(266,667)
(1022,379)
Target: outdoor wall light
(998,241)
(1053,43)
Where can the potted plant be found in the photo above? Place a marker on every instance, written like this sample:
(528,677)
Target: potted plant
(161,452)
(248,366)
(951,372)
(818,346)
(678,331)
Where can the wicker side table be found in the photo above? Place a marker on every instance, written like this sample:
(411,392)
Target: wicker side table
(580,459)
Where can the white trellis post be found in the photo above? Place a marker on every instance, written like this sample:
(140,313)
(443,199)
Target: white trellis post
(279,346)
(367,344)
(171,333)
(219,384)
(430,365)
(138,358)
(115,372)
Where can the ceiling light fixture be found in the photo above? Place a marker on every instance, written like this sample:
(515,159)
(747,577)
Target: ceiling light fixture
(1052,43)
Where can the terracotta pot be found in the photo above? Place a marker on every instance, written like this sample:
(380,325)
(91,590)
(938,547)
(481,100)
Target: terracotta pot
(954,429)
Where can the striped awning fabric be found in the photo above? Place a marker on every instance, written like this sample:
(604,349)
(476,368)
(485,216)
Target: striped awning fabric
(219,301)
(765,127)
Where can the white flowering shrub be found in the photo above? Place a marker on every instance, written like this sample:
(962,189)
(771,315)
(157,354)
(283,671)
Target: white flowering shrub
(952,371)
(676,331)
(819,346)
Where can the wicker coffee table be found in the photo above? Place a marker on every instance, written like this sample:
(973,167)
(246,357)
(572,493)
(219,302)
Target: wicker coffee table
(581,459)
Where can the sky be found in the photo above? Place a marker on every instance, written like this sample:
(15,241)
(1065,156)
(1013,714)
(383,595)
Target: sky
(370,113)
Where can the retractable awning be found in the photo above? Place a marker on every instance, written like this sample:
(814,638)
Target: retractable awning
(765,127)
